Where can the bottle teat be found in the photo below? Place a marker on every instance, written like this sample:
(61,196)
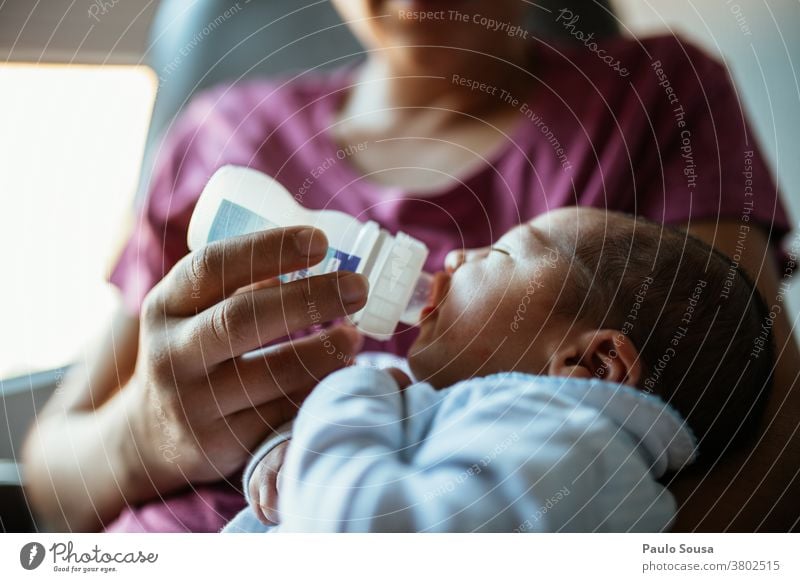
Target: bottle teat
(419,299)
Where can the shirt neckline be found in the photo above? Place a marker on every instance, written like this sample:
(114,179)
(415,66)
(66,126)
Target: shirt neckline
(348,175)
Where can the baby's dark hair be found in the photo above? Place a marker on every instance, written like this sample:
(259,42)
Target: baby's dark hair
(702,330)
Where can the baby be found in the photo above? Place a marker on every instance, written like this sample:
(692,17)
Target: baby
(560,375)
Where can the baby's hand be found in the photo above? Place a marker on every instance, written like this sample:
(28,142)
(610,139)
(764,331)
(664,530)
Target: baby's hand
(264,485)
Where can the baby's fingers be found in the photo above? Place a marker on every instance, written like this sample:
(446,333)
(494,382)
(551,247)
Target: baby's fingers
(268,473)
(264,511)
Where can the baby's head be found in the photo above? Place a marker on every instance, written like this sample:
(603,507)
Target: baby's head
(595,294)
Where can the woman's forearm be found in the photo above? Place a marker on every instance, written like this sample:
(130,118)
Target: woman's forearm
(82,466)
(77,459)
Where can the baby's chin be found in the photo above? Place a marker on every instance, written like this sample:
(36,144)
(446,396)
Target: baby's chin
(416,360)
(430,364)
(425,363)
(431,361)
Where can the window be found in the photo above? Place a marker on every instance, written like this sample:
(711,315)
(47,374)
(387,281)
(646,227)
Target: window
(71,145)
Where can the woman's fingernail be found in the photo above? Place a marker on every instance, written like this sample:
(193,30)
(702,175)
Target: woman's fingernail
(310,242)
(353,288)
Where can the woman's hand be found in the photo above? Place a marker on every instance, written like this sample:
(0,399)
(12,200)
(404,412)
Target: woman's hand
(203,405)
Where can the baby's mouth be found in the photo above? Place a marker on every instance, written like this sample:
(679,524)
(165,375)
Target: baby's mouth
(441,284)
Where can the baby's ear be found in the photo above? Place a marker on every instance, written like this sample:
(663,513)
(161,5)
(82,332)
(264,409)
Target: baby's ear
(606,354)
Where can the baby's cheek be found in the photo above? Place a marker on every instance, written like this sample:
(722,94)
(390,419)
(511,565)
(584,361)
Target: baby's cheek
(480,334)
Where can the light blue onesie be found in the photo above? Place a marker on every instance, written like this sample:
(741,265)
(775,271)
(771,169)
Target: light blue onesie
(506,452)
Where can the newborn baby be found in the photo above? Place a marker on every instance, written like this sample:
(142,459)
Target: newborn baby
(560,375)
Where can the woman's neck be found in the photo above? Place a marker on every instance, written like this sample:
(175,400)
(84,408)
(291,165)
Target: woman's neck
(387,93)
(427,130)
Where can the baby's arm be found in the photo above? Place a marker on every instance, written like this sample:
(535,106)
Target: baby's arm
(345,469)
(261,476)
(544,466)
(351,465)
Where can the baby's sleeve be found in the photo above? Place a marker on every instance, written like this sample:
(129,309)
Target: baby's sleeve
(348,436)
(487,461)
(351,466)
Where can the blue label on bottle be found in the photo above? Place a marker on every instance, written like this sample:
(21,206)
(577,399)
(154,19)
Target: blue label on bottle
(235,220)
(335,260)
(342,261)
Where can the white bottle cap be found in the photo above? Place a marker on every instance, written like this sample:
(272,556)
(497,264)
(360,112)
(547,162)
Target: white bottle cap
(397,276)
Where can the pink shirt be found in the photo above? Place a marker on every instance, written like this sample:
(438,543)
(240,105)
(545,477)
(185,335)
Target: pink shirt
(667,142)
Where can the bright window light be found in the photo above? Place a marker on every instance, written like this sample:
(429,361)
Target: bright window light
(71,145)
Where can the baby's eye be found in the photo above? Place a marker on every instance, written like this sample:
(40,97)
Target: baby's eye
(500,250)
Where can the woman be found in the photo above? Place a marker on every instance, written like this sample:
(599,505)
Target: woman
(457,126)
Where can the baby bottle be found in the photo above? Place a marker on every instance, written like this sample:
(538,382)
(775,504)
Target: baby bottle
(239,201)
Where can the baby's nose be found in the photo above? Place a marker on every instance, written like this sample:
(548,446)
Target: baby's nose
(458,257)
(453,260)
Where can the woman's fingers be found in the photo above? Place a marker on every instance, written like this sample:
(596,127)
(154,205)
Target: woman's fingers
(250,427)
(247,321)
(288,371)
(207,275)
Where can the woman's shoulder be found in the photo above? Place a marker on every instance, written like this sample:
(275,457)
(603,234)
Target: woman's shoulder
(667,46)
(674,53)
(637,60)
(257,101)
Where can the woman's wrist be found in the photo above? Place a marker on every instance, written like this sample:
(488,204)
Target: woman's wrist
(142,469)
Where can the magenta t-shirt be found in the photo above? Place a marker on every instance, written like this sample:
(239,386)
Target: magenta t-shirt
(668,142)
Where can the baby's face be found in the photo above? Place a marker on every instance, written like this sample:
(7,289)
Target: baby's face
(495,311)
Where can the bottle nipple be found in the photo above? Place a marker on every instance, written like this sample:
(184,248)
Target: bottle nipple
(419,299)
